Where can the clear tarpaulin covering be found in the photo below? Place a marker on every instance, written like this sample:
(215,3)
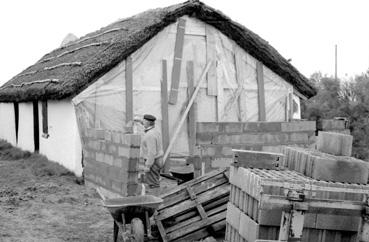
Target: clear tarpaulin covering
(102,104)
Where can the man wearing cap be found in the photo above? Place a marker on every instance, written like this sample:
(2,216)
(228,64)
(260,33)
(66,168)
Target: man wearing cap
(151,151)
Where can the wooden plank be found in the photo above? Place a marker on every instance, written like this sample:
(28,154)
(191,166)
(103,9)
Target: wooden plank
(192,112)
(164,111)
(196,218)
(195,226)
(177,61)
(188,204)
(129,92)
(212,89)
(161,230)
(239,78)
(201,211)
(261,92)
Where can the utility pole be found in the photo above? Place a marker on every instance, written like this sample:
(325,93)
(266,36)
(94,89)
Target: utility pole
(335,62)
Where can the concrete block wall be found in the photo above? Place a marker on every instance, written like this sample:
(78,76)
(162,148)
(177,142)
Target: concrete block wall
(215,141)
(111,160)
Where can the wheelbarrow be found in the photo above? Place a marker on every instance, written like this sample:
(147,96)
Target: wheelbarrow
(132,210)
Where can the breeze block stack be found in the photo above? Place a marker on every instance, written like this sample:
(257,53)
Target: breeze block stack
(300,195)
(111,160)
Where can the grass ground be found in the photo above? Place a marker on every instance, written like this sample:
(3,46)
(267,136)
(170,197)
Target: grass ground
(41,201)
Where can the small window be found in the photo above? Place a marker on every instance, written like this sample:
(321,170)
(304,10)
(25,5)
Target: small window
(45,125)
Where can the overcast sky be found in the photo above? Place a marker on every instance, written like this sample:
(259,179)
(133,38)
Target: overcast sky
(304,30)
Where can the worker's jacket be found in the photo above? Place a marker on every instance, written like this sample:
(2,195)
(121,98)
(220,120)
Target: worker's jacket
(151,146)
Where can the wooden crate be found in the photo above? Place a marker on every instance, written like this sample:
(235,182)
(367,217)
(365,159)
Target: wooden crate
(259,196)
(195,209)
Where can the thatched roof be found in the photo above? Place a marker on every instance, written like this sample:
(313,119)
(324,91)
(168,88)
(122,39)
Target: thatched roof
(68,70)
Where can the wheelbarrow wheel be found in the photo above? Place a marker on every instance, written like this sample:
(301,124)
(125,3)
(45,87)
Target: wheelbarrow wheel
(137,230)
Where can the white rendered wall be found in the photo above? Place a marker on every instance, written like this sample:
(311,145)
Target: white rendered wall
(63,144)
(7,123)
(25,131)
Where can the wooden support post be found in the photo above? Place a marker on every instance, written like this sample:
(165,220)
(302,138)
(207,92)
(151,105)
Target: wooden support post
(129,92)
(164,112)
(16,119)
(36,131)
(192,112)
(210,56)
(239,76)
(177,61)
(261,92)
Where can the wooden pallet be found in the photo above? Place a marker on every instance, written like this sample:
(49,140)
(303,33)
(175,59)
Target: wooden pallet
(195,209)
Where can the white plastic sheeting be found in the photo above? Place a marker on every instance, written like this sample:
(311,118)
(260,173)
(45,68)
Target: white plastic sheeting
(7,123)
(102,104)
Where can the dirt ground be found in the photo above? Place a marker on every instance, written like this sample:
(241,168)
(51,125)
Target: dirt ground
(41,201)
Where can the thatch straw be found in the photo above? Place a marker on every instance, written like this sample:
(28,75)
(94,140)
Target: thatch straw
(125,37)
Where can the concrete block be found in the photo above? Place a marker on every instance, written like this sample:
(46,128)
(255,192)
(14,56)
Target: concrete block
(108,159)
(99,156)
(249,229)
(298,126)
(123,151)
(117,186)
(257,159)
(300,137)
(118,162)
(334,143)
(231,127)
(274,138)
(204,138)
(326,167)
(330,124)
(233,216)
(108,135)
(205,127)
(112,149)
(131,140)
(272,148)
(262,127)
(100,134)
(132,189)
(116,136)
(102,145)
(341,169)
(221,162)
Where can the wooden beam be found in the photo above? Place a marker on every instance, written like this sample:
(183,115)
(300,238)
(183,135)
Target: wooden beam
(212,89)
(129,92)
(177,61)
(192,112)
(45,125)
(180,123)
(261,92)
(164,111)
(239,76)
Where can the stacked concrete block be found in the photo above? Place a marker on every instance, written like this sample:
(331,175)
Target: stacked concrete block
(111,160)
(326,167)
(257,159)
(215,140)
(333,125)
(334,143)
(254,209)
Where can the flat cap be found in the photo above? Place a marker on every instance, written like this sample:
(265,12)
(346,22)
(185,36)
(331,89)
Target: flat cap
(149,117)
